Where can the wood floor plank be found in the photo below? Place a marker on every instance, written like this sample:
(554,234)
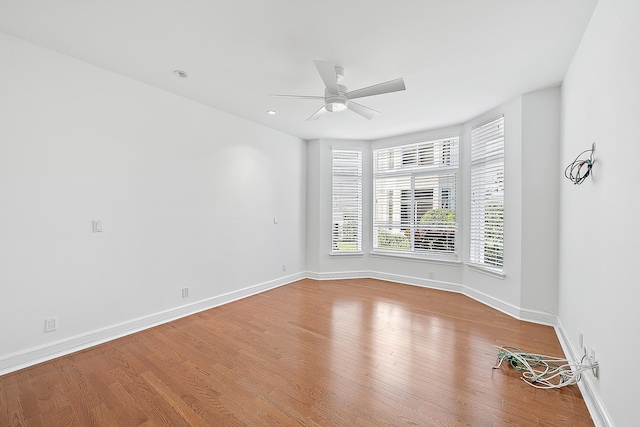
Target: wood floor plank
(361,352)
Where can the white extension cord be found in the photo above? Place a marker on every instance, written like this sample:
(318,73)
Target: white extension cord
(542,371)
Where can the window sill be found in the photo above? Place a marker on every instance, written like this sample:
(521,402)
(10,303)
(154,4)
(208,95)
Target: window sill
(346,254)
(493,272)
(452,260)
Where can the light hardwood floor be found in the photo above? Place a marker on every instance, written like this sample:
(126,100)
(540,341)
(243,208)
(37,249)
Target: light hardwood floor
(313,353)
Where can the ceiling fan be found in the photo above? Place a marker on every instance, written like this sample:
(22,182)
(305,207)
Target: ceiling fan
(337,98)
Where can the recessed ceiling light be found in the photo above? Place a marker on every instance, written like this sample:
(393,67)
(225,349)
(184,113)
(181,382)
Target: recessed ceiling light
(181,74)
(271,112)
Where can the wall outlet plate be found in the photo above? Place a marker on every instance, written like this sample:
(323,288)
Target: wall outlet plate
(50,324)
(581,340)
(97,226)
(185,292)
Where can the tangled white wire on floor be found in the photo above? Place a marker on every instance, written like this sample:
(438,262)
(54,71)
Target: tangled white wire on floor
(542,371)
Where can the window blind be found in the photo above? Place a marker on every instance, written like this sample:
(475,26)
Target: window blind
(414,198)
(346,230)
(487,194)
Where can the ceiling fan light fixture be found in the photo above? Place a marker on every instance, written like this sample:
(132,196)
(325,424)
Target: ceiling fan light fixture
(336,102)
(336,106)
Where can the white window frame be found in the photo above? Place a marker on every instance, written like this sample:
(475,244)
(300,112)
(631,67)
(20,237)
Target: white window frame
(435,160)
(486,230)
(346,202)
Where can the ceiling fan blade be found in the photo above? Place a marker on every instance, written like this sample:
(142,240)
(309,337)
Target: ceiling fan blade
(318,114)
(365,112)
(297,96)
(327,71)
(386,87)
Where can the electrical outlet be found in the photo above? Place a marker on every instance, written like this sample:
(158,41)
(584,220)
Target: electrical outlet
(581,340)
(284,267)
(97,226)
(50,324)
(432,275)
(185,292)
(591,359)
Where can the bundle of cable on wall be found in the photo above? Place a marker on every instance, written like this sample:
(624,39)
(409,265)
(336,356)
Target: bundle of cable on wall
(542,371)
(580,169)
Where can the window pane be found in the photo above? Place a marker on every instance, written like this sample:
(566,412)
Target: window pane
(346,233)
(414,198)
(487,193)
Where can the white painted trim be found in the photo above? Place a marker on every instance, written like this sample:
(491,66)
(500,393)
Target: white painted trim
(587,386)
(541,317)
(492,302)
(527,315)
(507,308)
(453,260)
(38,354)
(338,275)
(416,281)
(499,274)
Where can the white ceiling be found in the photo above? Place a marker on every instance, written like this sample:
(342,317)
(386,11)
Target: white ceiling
(459,58)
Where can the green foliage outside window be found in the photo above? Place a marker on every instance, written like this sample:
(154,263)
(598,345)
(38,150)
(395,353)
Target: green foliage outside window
(393,241)
(493,234)
(437,231)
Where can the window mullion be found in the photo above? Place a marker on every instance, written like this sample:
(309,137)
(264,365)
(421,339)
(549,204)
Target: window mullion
(412,221)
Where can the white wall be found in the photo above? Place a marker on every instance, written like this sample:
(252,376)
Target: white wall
(532,134)
(541,174)
(186,193)
(599,227)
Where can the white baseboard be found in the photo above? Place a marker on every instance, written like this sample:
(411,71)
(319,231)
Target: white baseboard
(338,275)
(42,353)
(532,316)
(416,281)
(507,308)
(587,385)
(492,302)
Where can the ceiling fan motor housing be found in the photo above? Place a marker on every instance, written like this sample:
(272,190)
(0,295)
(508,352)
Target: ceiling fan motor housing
(336,102)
